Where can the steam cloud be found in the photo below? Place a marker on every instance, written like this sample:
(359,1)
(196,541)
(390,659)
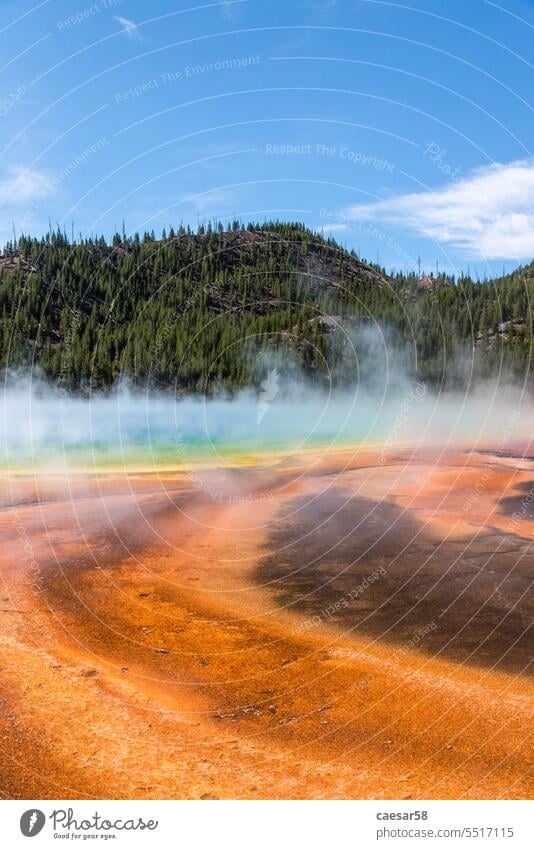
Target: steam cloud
(40,423)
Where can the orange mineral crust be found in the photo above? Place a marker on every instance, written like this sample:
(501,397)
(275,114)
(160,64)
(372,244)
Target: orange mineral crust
(346,625)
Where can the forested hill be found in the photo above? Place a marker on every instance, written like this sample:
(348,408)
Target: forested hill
(193,310)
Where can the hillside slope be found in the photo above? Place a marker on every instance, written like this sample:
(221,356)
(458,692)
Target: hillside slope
(193,310)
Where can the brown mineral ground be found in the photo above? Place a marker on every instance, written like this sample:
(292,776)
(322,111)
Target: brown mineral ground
(346,625)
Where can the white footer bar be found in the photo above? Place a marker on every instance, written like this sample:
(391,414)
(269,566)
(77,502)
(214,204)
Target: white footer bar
(264,825)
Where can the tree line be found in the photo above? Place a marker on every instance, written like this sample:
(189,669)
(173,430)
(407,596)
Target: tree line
(195,311)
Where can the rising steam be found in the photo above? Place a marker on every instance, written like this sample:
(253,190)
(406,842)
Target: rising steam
(42,425)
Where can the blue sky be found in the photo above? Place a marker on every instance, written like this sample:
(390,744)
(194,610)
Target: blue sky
(404,130)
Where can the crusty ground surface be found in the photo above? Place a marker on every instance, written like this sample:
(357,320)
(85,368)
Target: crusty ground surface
(346,625)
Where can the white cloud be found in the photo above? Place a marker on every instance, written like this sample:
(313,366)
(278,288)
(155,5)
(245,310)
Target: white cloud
(129,27)
(21,185)
(487,215)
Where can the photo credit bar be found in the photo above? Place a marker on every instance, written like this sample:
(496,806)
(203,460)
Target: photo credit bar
(233,824)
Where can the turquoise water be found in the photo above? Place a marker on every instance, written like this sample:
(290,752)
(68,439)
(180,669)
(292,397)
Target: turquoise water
(47,431)
(51,432)
(146,456)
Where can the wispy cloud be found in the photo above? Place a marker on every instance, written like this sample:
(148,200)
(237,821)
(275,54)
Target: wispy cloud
(213,201)
(21,185)
(228,7)
(487,215)
(129,27)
